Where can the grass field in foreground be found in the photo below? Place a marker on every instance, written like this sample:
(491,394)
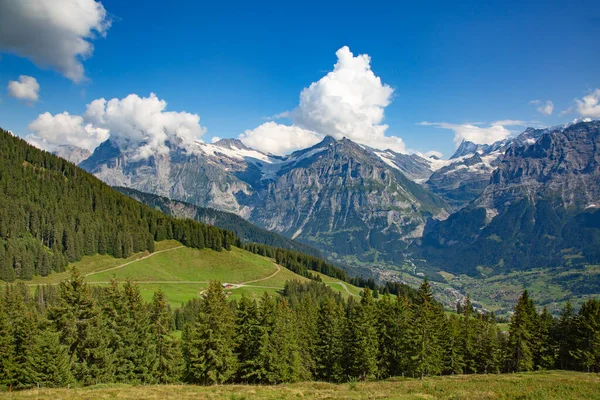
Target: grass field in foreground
(536,385)
(183,273)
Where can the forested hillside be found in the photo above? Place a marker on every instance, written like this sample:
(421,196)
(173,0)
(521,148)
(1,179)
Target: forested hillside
(53,213)
(246,231)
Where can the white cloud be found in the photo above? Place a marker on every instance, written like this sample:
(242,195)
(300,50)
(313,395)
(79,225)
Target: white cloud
(278,139)
(215,139)
(51,33)
(54,130)
(433,153)
(589,106)
(477,134)
(142,125)
(139,125)
(566,112)
(26,88)
(544,107)
(348,102)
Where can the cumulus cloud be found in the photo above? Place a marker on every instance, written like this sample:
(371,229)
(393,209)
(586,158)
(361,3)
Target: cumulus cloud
(475,133)
(589,106)
(138,125)
(279,139)
(55,34)
(215,139)
(143,125)
(347,102)
(54,130)
(543,107)
(26,88)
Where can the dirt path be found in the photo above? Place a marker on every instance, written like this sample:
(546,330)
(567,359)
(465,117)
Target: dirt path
(261,279)
(342,284)
(131,262)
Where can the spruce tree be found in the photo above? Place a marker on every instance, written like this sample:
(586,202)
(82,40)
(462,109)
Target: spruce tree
(329,343)
(547,349)
(132,340)
(521,345)
(169,361)
(362,342)
(209,343)
(248,339)
(453,345)
(82,329)
(566,337)
(47,361)
(468,337)
(587,353)
(427,320)
(8,358)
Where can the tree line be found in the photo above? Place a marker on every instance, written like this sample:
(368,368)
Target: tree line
(78,334)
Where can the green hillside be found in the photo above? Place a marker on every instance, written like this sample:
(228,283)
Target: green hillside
(183,273)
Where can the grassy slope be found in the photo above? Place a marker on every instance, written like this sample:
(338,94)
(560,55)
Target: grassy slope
(182,273)
(538,385)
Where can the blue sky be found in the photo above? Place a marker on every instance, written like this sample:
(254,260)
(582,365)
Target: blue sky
(235,64)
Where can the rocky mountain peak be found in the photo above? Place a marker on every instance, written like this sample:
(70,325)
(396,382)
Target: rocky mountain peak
(72,153)
(231,143)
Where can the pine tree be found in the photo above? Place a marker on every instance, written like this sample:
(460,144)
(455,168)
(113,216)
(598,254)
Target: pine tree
(248,339)
(8,357)
(47,361)
(547,348)
(362,346)
(209,343)
(521,344)
(453,345)
(427,320)
(169,359)
(566,337)
(329,344)
(82,329)
(132,342)
(587,353)
(468,337)
(22,330)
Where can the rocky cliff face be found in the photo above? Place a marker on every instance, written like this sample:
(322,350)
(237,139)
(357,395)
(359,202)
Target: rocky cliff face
(468,172)
(342,198)
(71,153)
(540,208)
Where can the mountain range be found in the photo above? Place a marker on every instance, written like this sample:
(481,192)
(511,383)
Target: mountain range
(520,203)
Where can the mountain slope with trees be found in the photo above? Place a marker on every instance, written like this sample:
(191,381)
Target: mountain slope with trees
(246,231)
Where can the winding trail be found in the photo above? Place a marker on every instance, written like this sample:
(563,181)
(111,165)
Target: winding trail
(342,284)
(133,261)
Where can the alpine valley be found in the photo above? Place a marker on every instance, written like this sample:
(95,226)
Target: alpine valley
(491,220)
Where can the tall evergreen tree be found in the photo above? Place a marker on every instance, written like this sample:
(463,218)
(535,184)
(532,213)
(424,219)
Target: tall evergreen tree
(47,361)
(169,361)
(209,343)
(362,346)
(427,320)
(521,344)
(329,343)
(82,329)
(588,338)
(248,339)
